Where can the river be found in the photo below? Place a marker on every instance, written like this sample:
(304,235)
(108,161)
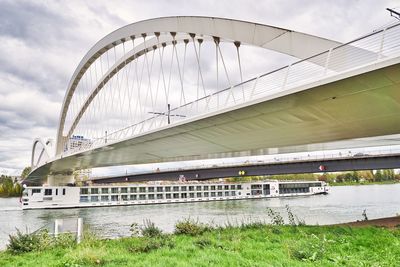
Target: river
(342,204)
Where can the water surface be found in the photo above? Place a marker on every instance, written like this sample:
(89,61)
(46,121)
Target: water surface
(342,204)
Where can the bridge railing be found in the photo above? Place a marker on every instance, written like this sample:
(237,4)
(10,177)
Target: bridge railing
(378,46)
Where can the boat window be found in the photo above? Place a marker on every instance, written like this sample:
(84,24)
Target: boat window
(124,197)
(176,195)
(133,190)
(104,190)
(84,199)
(114,190)
(183,195)
(142,189)
(159,196)
(239,187)
(114,198)
(57,192)
(191,195)
(175,188)
(206,194)
(84,191)
(36,191)
(220,187)
(48,192)
(213,194)
(94,198)
(167,189)
(104,198)
(226,193)
(198,194)
(232,187)
(133,197)
(63,191)
(159,189)
(226,187)
(220,194)
(198,188)
(124,190)
(142,197)
(183,188)
(191,188)
(233,193)
(213,187)
(205,187)
(151,196)
(94,190)
(168,196)
(151,189)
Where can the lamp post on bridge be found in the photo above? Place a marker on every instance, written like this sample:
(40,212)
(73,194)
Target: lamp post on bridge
(168,114)
(394,13)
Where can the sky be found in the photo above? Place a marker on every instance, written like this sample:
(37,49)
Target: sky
(42,42)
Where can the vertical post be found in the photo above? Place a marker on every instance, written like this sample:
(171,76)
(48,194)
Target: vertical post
(286,76)
(381,46)
(169,113)
(328,58)
(56,226)
(79,230)
(254,87)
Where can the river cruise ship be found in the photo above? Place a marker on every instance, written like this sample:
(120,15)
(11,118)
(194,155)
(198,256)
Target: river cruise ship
(53,197)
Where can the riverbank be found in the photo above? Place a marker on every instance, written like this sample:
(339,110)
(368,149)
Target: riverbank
(365,183)
(390,223)
(247,245)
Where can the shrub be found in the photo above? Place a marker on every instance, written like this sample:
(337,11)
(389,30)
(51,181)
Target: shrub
(276,218)
(190,227)
(66,240)
(27,242)
(293,219)
(149,229)
(37,241)
(135,229)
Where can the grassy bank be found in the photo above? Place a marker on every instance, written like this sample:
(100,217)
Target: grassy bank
(363,183)
(248,245)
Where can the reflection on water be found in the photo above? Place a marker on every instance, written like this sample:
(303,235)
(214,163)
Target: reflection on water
(343,204)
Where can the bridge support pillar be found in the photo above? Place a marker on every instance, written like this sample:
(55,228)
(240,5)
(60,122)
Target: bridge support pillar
(54,180)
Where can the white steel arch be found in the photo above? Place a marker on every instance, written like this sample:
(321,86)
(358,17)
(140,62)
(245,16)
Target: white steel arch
(285,41)
(45,151)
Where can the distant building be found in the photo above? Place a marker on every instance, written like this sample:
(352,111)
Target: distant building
(76,142)
(83,175)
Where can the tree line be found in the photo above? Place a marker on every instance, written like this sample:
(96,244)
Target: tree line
(339,177)
(9,187)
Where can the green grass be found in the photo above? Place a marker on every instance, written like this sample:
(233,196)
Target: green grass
(251,245)
(363,183)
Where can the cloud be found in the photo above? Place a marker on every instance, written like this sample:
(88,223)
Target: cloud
(42,42)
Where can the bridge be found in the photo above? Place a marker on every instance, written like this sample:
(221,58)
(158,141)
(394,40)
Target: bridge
(261,169)
(188,88)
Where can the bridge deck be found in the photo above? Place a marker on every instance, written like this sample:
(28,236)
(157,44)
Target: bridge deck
(360,103)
